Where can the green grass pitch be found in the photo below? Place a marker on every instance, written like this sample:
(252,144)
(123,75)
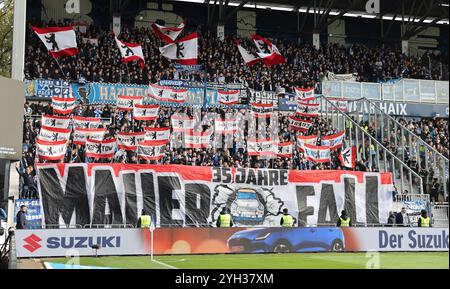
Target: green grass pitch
(391,260)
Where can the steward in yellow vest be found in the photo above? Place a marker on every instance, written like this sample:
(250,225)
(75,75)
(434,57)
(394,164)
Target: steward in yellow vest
(286,220)
(224,220)
(144,221)
(424,221)
(344,220)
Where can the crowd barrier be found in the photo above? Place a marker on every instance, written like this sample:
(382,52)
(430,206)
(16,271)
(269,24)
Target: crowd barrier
(170,241)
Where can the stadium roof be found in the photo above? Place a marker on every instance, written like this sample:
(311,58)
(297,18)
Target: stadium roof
(416,15)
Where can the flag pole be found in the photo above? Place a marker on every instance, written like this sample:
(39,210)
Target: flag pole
(62,70)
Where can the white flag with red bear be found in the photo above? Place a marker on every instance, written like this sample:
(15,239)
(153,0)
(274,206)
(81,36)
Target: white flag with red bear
(59,41)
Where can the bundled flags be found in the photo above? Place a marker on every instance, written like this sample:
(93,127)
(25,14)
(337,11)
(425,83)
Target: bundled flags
(168,34)
(183,51)
(130,52)
(59,41)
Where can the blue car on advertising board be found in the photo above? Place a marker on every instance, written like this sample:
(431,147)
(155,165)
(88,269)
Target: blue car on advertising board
(283,240)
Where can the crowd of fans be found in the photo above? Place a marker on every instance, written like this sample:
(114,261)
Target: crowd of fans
(234,156)
(222,63)
(305,66)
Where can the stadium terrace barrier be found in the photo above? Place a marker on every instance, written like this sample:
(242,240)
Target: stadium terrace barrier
(404,90)
(170,241)
(407,143)
(378,157)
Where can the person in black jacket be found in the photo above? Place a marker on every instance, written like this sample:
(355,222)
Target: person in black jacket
(401,218)
(29,184)
(21,220)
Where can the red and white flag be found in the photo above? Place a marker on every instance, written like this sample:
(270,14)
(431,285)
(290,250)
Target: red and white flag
(284,149)
(340,103)
(348,157)
(100,148)
(333,141)
(51,150)
(63,105)
(59,41)
(129,140)
(157,133)
(228,97)
(167,94)
(168,34)
(80,135)
(86,122)
(306,139)
(183,51)
(317,154)
(49,133)
(302,125)
(304,94)
(193,139)
(181,122)
(130,52)
(177,95)
(226,126)
(145,112)
(249,58)
(268,52)
(307,109)
(261,110)
(151,150)
(55,121)
(127,103)
(262,148)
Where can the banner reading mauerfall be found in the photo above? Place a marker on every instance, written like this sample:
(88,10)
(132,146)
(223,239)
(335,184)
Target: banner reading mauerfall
(179,196)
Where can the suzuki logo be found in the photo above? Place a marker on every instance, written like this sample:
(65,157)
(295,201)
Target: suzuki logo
(32,243)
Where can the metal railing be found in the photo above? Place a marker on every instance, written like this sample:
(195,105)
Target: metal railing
(440,214)
(408,146)
(377,157)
